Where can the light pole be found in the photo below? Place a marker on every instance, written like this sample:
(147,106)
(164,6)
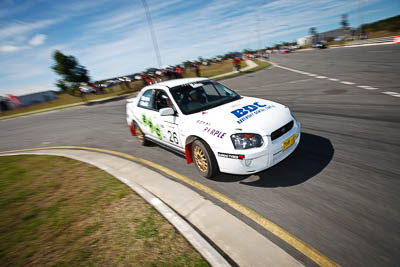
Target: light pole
(153,35)
(360,17)
(258,31)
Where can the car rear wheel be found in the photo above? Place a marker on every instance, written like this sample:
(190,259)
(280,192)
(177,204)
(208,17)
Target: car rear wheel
(140,136)
(204,159)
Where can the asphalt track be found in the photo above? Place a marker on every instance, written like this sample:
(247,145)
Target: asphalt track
(338,192)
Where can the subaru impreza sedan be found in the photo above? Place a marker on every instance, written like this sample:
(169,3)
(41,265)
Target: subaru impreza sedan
(213,126)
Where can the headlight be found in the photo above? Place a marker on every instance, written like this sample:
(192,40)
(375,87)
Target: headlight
(246,140)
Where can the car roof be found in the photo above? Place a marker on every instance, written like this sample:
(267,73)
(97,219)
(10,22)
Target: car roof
(173,83)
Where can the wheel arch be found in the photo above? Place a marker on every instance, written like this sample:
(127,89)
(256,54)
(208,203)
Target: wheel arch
(188,146)
(132,127)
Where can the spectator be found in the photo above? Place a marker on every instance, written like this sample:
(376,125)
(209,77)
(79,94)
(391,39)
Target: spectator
(178,70)
(237,62)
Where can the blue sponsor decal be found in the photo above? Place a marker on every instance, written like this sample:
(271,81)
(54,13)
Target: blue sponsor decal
(202,122)
(214,132)
(249,111)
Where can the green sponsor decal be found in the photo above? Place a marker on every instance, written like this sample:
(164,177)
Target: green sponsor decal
(153,128)
(158,131)
(144,119)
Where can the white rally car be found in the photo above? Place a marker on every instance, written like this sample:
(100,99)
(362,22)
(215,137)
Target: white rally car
(213,126)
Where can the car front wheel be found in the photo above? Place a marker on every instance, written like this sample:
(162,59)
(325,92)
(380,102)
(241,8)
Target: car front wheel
(204,159)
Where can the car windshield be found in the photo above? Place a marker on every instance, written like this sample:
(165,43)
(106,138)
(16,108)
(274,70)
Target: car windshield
(203,95)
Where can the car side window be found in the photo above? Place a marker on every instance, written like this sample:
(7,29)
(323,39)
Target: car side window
(210,90)
(162,100)
(223,90)
(146,100)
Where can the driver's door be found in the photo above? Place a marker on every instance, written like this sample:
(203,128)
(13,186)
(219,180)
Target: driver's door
(168,125)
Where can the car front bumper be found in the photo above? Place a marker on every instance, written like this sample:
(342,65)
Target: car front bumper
(258,159)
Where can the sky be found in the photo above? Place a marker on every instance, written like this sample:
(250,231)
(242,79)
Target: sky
(112,38)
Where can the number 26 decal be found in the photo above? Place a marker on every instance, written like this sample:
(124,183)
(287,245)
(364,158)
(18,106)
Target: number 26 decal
(173,137)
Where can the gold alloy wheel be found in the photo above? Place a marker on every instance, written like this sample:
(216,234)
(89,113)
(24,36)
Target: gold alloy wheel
(139,134)
(200,159)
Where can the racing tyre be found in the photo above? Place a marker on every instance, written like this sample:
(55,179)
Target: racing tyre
(204,159)
(140,136)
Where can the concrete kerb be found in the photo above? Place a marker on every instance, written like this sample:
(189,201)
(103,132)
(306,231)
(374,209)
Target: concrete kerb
(244,245)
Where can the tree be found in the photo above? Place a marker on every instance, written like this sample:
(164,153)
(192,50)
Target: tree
(71,72)
(344,22)
(63,87)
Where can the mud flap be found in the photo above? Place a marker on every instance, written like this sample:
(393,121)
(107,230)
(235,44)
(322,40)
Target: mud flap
(133,132)
(188,154)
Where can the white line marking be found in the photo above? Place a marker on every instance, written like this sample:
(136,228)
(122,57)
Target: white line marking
(390,93)
(349,83)
(366,45)
(396,95)
(367,87)
(335,80)
(297,81)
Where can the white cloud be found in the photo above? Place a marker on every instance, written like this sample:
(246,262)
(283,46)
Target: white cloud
(38,39)
(20,27)
(11,48)
(113,37)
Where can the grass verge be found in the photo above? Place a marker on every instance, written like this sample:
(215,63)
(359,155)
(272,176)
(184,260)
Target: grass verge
(214,69)
(60,212)
(260,65)
(66,99)
(120,89)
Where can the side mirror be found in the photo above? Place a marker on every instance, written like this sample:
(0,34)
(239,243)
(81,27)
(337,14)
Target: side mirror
(167,112)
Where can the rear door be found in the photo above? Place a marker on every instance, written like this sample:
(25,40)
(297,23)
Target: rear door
(146,114)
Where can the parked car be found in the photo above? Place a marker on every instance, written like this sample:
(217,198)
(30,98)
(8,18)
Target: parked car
(87,89)
(320,45)
(265,55)
(213,126)
(284,50)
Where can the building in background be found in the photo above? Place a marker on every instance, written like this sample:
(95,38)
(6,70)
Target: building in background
(5,104)
(306,40)
(343,34)
(337,35)
(35,98)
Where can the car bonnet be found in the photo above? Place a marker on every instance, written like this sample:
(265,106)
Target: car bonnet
(247,115)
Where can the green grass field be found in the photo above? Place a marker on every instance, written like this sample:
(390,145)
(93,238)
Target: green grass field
(61,212)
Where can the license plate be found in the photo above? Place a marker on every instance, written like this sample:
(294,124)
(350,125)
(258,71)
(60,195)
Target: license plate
(286,144)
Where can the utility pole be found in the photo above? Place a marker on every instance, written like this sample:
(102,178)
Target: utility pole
(153,35)
(360,17)
(258,31)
